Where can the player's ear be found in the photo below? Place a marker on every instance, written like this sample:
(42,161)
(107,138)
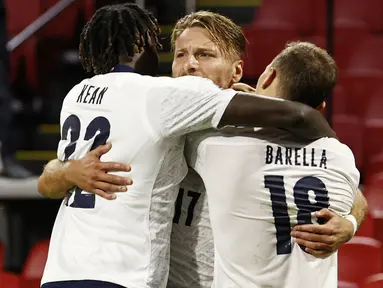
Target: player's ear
(271,74)
(321,107)
(237,71)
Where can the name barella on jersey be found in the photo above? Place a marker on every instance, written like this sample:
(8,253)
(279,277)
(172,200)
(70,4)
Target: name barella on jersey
(126,241)
(258,187)
(192,246)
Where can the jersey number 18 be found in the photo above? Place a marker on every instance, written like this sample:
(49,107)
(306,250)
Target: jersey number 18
(276,185)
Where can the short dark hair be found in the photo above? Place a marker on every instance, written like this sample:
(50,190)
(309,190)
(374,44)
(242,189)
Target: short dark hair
(113,31)
(308,73)
(227,35)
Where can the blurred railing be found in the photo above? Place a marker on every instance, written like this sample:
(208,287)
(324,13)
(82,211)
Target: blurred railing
(36,25)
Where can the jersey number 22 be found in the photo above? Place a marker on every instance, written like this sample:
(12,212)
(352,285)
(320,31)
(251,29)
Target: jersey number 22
(72,123)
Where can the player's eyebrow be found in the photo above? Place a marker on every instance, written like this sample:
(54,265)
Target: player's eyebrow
(180,50)
(205,49)
(196,50)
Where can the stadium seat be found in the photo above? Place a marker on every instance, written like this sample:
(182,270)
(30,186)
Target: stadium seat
(69,16)
(29,283)
(354,255)
(359,87)
(339,101)
(366,13)
(20,14)
(294,14)
(18,18)
(374,281)
(347,121)
(27,53)
(373,126)
(373,192)
(264,44)
(342,284)
(374,195)
(378,226)
(364,56)
(367,228)
(350,13)
(374,169)
(1,256)
(344,41)
(9,280)
(349,130)
(89,9)
(34,265)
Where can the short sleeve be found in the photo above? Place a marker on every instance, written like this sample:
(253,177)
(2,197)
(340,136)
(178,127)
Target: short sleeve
(342,193)
(351,172)
(177,106)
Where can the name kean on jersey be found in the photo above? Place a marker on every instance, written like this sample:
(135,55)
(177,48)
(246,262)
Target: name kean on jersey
(91,94)
(296,156)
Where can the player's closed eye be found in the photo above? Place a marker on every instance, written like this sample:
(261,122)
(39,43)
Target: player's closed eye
(204,54)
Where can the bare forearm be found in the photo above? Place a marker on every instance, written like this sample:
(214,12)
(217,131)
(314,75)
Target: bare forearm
(53,183)
(360,208)
(252,110)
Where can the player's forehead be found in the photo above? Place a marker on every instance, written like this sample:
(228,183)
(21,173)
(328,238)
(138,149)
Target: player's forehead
(195,38)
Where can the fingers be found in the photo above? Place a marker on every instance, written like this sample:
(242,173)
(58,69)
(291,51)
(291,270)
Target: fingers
(318,254)
(113,167)
(112,179)
(314,228)
(107,196)
(107,191)
(314,245)
(313,237)
(243,87)
(109,188)
(101,150)
(324,213)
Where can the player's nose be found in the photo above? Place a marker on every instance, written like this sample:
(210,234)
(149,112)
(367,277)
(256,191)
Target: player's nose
(191,65)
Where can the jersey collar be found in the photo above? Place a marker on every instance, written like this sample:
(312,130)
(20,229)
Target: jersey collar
(123,68)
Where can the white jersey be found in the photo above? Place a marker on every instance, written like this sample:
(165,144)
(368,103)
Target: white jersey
(192,246)
(126,241)
(258,187)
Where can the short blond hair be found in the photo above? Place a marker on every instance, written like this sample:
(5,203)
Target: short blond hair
(227,35)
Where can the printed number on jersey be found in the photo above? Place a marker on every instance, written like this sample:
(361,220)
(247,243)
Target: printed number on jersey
(276,185)
(98,125)
(193,198)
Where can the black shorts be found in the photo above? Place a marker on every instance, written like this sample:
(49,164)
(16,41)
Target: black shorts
(81,284)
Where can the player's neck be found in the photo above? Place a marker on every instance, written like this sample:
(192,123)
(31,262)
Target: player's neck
(129,61)
(128,65)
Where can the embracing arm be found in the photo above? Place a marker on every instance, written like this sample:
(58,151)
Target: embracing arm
(53,182)
(360,208)
(323,240)
(88,173)
(247,109)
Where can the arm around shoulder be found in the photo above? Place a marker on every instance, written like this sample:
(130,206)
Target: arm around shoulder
(252,110)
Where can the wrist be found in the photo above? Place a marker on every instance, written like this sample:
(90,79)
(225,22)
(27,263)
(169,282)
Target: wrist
(67,175)
(354,223)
